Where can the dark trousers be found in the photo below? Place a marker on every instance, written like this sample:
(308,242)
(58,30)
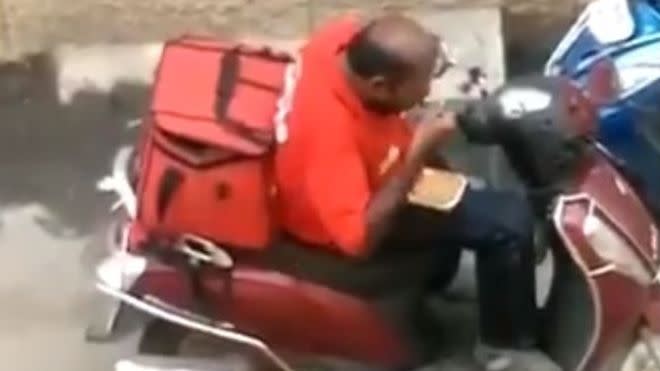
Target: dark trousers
(425,244)
(499,227)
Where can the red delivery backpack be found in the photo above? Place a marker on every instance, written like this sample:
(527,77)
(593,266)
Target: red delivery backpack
(206,155)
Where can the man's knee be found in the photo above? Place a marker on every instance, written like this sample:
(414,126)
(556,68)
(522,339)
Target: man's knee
(507,219)
(519,219)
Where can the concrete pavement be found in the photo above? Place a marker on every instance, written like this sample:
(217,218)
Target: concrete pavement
(45,299)
(50,156)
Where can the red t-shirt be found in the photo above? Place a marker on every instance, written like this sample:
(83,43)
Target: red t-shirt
(337,153)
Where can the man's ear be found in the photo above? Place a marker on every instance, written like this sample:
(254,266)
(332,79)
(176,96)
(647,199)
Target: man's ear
(360,17)
(378,83)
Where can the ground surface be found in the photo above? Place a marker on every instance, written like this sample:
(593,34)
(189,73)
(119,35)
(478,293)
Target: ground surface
(50,156)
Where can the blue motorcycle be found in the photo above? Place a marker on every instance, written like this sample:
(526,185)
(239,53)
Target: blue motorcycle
(623,35)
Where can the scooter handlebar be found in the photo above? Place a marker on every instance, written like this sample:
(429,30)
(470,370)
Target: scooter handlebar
(475,119)
(476,122)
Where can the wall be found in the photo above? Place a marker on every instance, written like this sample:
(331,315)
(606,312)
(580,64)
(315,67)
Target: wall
(35,25)
(474,36)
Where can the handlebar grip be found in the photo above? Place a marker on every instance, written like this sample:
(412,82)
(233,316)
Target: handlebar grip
(477,125)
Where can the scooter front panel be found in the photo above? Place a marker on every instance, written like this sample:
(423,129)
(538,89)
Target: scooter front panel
(618,201)
(612,272)
(609,237)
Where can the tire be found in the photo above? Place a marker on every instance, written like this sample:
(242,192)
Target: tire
(162,338)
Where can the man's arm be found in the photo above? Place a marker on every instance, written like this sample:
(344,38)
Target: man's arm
(337,184)
(387,201)
(336,181)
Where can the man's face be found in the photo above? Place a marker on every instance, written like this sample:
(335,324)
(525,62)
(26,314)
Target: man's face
(405,93)
(416,87)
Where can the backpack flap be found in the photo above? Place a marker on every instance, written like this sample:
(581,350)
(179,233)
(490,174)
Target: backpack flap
(218,93)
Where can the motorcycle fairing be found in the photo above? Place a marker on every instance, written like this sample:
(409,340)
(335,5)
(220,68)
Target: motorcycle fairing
(610,238)
(627,123)
(590,34)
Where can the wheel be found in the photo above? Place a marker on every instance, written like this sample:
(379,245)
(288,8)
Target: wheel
(162,338)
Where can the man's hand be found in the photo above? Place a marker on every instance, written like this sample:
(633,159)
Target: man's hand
(433,129)
(433,126)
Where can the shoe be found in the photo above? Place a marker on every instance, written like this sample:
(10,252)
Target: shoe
(497,359)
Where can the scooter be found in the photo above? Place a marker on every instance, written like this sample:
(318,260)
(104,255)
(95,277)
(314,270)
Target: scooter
(624,37)
(603,311)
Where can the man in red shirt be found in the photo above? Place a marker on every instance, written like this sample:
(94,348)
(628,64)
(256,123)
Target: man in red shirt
(350,161)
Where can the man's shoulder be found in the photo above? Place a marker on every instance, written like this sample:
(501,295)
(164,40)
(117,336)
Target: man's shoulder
(334,33)
(319,113)
(317,94)
(318,104)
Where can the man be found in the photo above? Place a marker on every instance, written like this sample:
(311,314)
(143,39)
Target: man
(350,161)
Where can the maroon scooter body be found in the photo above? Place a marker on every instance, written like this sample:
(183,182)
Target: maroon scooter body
(608,237)
(613,241)
(284,312)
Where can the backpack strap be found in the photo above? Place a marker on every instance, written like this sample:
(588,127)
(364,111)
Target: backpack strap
(230,77)
(226,87)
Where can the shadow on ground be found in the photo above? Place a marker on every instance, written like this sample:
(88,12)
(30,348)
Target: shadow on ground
(52,154)
(531,37)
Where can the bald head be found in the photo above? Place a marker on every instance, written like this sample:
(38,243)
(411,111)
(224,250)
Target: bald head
(402,37)
(391,63)
(391,45)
